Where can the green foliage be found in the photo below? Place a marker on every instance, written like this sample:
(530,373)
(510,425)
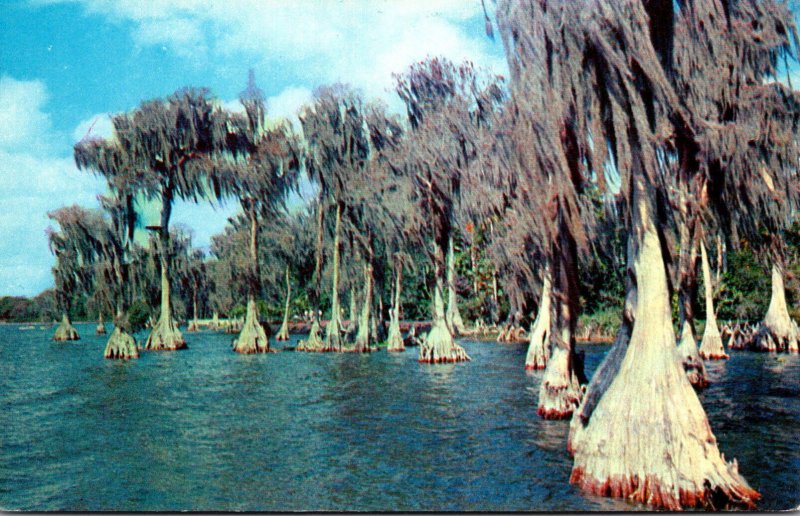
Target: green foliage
(745,288)
(238,311)
(606,321)
(138,314)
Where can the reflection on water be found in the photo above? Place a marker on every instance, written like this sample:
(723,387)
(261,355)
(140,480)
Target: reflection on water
(207,429)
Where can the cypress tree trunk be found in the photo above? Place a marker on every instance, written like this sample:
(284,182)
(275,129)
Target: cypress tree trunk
(539,347)
(711,347)
(562,387)
(363,344)
(121,345)
(101,327)
(777,332)
(314,343)
(687,288)
(193,326)
(283,333)
(641,432)
(252,338)
(165,335)
(395,339)
(439,345)
(65,330)
(333,339)
(453,314)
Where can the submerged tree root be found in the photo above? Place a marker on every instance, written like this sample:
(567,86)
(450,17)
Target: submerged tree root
(165,336)
(65,331)
(561,391)
(711,347)
(440,347)
(283,332)
(121,346)
(395,338)
(252,339)
(651,491)
(314,343)
(775,340)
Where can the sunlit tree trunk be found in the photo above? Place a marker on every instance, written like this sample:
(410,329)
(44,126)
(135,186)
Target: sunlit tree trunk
(363,343)
(439,345)
(395,339)
(65,330)
(711,346)
(252,338)
(563,383)
(641,432)
(777,332)
(283,333)
(539,347)
(333,337)
(165,335)
(687,288)
(453,315)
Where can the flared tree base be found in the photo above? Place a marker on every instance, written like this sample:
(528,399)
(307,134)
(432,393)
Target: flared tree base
(193,327)
(711,347)
(165,336)
(283,332)
(648,440)
(121,346)
(66,331)
(775,339)
(314,343)
(561,391)
(100,329)
(651,491)
(253,338)
(395,339)
(440,347)
(538,349)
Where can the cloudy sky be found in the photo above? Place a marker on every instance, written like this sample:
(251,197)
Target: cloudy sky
(65,65)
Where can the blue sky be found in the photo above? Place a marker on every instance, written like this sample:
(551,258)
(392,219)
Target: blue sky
(66,64)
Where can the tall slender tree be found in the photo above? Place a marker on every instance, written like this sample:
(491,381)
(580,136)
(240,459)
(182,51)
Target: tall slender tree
(338,151)
(446,106)
(164,138)
(259,165)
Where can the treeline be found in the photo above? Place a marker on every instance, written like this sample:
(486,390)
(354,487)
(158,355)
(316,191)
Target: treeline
(743,290)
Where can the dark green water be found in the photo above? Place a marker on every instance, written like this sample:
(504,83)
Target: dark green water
(206,429)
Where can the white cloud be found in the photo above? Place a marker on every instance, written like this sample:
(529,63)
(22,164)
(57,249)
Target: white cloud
(361,42)
(22,122)
(288,102)
(32,182)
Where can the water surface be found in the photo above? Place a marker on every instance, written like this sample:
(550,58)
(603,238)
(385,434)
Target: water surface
(209,430)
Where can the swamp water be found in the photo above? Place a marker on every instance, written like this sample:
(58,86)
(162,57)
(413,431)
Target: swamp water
(209,430)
